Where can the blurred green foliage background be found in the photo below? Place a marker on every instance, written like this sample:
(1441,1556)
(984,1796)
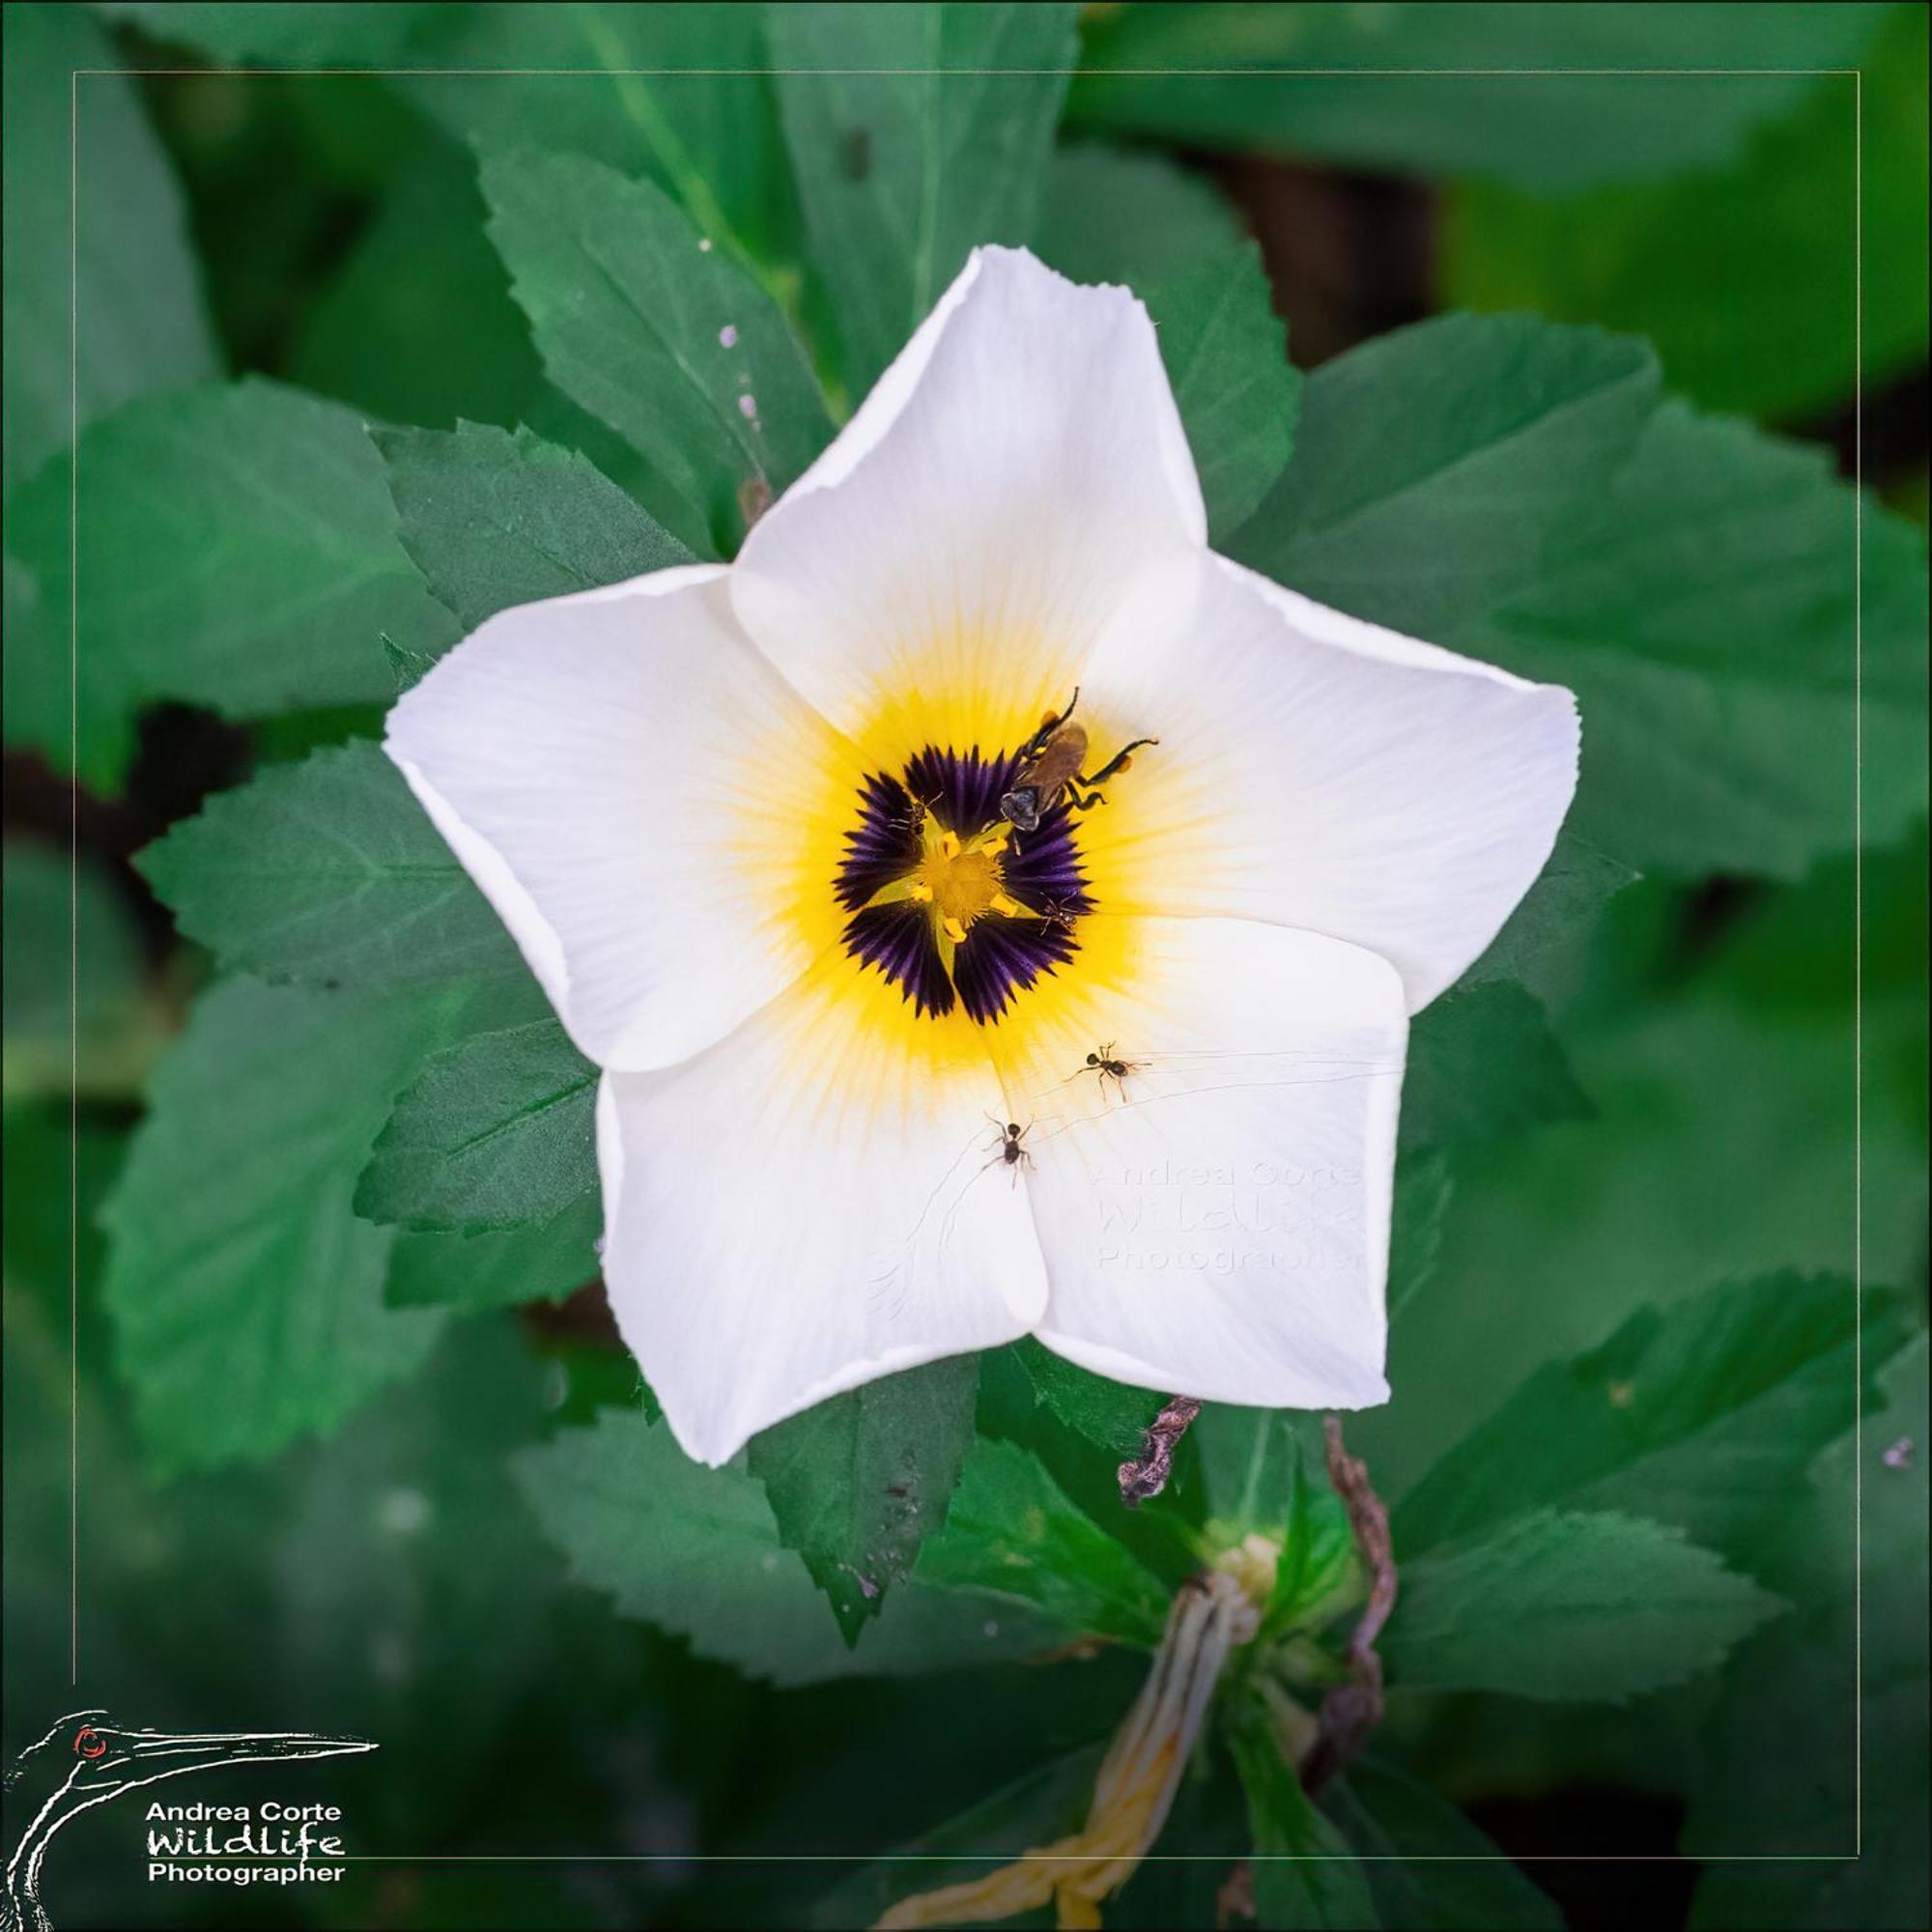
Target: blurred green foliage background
(360,1556)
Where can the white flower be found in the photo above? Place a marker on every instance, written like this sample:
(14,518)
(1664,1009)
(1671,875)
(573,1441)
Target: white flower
(746,823)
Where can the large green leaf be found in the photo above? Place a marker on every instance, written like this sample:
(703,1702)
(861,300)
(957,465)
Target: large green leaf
(1472,89)
(1136,219)
(1104,1411)
(1711,619)
(494,1132)
(1428,1867)
(110,243)
(495,518)
(696,1551)
(856,1482)
(1433,467)
(542,1261)
(916,133)
(1011,1529)
(329,872)
(1702,265)
(246,1296)
(665,338)
(673,92)
(1482,1064)
(1572,888)
(1705,1414)
(1831,1835)
(1566,1606)
(237,548)
(1306,1873)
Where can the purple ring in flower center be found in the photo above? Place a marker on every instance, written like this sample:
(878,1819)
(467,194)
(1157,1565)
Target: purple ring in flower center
(1001,952)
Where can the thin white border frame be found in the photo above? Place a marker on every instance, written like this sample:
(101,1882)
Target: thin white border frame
(1856,76)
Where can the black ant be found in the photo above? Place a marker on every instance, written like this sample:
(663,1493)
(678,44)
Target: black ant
(1008,1149)
(1108,1065)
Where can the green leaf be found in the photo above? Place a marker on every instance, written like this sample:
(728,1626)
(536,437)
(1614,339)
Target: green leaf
(914,133)
(1707,617)
(1572,888)
(114,240)
(1104,1411)
(1433,466)
(670,343)
(696,1552)
(79,1016)
(1704,1414)
(543,1260)
(856,1482)
(1134,218)
(495,518)
(1483,1064)
(275,36)
(1465,90)
(1835,1838)
(329,872)
(674,93)
(417,325)
(245,1296)
(1428,1867)
(1562,1605)
(1306,1873)
(1702,265)
(495,1132)
(1423,1185)
(237,548)
(1011,1530)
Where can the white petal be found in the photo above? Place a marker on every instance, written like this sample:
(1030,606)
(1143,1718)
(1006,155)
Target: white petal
(1321,773)
(626,778)
(998,500)
(1215,1224)
(804,1208)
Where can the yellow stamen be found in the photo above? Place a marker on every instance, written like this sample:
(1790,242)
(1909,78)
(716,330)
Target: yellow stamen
(1138,1778)
(959,881)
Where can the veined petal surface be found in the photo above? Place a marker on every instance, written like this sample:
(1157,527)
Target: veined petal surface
(633,787)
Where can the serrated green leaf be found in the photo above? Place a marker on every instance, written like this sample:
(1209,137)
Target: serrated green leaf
(494,519)
(915,133)
(676,93)
(1428,1867)
(1486,90)
(542,1261)
(1011,1530)
(1107,1413)
(696,1552)
(1710,618)
(670,343)
(245,1296)
(1433,466)
(856,1482)
(494,1132)
(1483,1064)
(1567,1606)
(1137,219)
(1836,1840)
(328,871)
(115,239)
(237,548)
(1704,1414)
(1701,265)
(1574,886)
(1306,1873)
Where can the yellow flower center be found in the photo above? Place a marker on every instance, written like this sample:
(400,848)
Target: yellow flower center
(956,880)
